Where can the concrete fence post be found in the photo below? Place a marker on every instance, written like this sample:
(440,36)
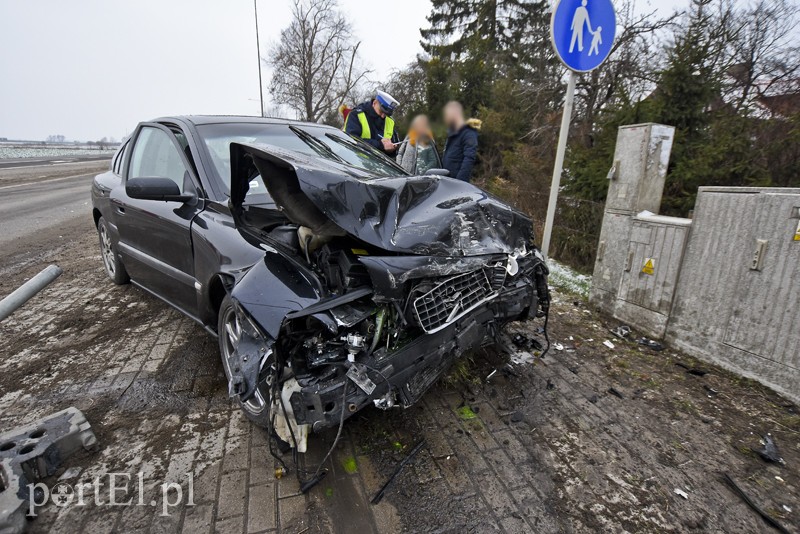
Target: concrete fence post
(26,291)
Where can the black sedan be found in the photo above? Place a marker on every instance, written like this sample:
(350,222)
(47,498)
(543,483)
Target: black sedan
(332,279)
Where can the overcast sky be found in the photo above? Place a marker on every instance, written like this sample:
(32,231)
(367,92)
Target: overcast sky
(93,68)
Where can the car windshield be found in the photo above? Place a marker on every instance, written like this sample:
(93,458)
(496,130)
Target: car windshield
(317,141)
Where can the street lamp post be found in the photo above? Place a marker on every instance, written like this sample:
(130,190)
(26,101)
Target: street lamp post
(258,49)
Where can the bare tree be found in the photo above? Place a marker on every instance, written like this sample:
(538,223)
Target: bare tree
(316,63)
(764,53)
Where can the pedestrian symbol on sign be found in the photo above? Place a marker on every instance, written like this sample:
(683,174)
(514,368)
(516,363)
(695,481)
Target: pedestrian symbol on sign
(583,32)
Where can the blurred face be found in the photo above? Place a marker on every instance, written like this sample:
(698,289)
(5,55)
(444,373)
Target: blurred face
(453,115)
(420,125)
(377,107)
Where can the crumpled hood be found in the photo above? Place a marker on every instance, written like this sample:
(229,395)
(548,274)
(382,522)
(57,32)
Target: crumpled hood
(428,215)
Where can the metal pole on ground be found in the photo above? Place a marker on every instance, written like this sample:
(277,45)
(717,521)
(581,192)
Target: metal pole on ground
(26,291)
(559,166)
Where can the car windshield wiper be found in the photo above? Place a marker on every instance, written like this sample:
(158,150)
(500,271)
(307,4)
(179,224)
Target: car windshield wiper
(318,146)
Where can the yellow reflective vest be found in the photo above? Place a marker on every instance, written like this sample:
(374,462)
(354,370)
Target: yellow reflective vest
(366,133)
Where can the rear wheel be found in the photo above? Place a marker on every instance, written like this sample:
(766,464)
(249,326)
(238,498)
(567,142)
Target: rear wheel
(229,331)
(114,268)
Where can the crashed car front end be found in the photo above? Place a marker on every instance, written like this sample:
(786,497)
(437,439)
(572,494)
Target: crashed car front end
(392,281)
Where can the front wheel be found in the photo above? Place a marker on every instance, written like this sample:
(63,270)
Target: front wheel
(229,330)
(114,268)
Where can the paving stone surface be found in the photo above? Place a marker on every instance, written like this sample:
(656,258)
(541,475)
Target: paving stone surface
(540,447)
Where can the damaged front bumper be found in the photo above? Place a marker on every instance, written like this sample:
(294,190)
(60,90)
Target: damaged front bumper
(403,376)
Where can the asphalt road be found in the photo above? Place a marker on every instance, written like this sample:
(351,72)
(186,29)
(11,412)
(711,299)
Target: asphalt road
(37,209)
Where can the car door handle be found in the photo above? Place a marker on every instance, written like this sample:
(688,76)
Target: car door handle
(120,210)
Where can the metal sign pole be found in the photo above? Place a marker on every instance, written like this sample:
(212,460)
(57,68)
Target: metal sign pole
(559,166)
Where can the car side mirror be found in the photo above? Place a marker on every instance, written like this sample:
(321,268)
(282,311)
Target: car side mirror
(156,189)
(438,172)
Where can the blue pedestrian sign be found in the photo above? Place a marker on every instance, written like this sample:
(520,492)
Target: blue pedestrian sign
(583,32)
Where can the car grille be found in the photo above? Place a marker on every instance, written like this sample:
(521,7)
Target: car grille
(497,274)
(452,299)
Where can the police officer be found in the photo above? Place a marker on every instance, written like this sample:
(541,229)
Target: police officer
(372,122)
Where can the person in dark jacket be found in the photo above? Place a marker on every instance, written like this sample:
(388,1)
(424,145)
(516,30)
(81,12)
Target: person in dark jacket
(372,123)
(461,148)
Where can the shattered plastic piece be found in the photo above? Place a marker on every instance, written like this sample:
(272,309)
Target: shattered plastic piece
(682,493)
(522,357)
(520,340)
(609,344)
(779,479)
(787,508)
(558,346)
(33,452)
(616,393)
(650,344)
(696,371)
(711,391)
(622,331)
(769,452)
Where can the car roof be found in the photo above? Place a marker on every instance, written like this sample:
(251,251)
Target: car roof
(227,119)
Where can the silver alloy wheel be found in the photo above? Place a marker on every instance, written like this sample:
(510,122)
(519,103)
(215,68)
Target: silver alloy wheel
(230,340)
(107,251)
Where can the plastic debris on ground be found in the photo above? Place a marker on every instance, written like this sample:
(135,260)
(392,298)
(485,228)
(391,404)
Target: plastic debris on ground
(609,344)
(769,451)
(650,344)
(616,393)
(682,493)
(622,331)
(522,357)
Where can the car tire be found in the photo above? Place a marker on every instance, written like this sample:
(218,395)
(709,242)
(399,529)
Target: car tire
(108,251)
(256,409)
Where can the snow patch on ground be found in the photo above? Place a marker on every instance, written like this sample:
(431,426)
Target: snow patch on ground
(9,152)
(567,279)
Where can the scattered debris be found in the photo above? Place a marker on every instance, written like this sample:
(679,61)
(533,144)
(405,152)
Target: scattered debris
(418,447)
(621,331)
(766,517)
(789,510)
(522,357)
(616,393)
(650,344)
(33,452)
(558,346)
(520,340)
(696,371)
(779,479)
(682,493)
(769,451)
(711,391)
(490,375)
(609,344)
